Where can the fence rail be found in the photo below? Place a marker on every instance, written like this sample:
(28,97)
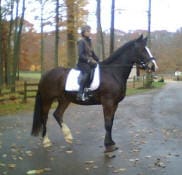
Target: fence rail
(29,88)
(23,91)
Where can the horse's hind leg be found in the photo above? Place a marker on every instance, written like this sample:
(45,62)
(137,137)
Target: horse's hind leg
(45,109)
(58,114)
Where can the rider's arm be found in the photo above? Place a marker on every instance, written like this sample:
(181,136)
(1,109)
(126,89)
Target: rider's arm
(95,56)
(81,52)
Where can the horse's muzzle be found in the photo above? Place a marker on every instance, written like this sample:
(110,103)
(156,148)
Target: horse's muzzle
(152,65)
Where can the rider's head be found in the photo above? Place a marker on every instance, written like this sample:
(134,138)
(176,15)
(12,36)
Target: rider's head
(85,30)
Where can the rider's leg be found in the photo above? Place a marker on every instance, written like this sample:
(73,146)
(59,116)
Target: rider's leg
(83,82)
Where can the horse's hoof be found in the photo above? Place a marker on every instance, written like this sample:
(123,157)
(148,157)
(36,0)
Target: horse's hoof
(67,133)
(46,142)
(110,155)
(110,149)
(47,145)
(69,140)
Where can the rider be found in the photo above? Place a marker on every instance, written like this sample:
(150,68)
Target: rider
(87,60)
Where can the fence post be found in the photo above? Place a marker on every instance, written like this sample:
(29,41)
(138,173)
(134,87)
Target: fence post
(143,79)
(25,92)
(133,81)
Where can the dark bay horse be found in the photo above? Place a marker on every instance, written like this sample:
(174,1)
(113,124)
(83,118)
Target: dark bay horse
(114,73)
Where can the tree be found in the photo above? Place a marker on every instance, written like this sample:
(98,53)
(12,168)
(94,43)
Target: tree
(112,27)
(56,35)
(149,78)
(75,18)
(100,38)
(11,39)
(71,33)
(17,39)
(42,35)
(1,51)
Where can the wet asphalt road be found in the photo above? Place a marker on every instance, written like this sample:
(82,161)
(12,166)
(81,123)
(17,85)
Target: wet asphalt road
(147,129)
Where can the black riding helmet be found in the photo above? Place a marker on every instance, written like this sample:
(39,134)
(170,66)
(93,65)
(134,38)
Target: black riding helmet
(84,29)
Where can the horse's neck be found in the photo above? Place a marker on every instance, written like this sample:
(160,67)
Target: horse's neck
(124,66)
(125,72)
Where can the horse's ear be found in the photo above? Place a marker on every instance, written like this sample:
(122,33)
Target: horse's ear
(140,38)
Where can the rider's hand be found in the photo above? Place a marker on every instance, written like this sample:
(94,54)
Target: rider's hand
(92,61)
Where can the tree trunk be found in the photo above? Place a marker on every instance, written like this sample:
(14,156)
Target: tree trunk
(56,54)
(15,49)
(17,42)
(71,34)
(100,39)
(9,50)
(1,58)
(42,38)
(112,27)
(149,78)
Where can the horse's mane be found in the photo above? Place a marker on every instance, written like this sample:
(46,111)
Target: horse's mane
(118,52)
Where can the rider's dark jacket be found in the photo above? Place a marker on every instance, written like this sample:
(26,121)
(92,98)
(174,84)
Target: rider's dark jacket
(86,55)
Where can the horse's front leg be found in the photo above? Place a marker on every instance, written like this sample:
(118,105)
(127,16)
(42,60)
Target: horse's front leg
(58,114)
(109,111)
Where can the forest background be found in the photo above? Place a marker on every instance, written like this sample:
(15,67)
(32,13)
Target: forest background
(22,48)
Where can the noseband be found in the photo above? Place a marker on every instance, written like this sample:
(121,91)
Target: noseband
(150,64)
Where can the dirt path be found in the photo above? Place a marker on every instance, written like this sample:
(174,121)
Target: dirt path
(147,130)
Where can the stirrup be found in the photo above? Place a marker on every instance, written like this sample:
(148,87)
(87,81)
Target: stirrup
(82,97)
(88,92)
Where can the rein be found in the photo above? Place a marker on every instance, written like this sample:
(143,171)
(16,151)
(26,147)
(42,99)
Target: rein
(116,65)
(128,65)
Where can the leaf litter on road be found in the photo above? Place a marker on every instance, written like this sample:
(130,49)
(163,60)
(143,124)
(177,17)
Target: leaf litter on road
(120,170)
(39,171)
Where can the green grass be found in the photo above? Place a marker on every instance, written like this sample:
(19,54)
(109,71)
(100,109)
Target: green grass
(140,90)
(12,107)
(30,75)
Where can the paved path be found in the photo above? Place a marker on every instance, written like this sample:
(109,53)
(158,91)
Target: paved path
(147,130)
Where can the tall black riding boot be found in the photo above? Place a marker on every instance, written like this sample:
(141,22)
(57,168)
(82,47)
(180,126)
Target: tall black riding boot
(81,94)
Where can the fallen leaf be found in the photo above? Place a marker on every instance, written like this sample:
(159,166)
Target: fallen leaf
(89,162)
(95,167)
(133,160)
(29,153)
(110,155)
(148,157)
(120,170)
(87,168)
(4,155)
(69,151)
(35,171)
(20,158)
(159,163)
(110,166)
(47,169)
(12,165)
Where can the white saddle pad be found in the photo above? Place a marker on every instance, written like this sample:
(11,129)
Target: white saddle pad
(72,80)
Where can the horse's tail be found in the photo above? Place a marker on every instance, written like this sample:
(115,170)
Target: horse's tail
(37,118)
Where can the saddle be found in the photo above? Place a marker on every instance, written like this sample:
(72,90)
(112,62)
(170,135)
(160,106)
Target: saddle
(72,81)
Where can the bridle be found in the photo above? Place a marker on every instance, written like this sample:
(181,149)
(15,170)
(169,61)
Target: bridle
(150,64)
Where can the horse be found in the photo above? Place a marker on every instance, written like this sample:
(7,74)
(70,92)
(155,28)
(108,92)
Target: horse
(114,72)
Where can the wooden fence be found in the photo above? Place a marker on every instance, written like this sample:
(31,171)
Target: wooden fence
(30,90)
(23,91)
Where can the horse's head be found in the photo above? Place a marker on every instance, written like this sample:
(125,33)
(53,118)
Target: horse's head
(144,58)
